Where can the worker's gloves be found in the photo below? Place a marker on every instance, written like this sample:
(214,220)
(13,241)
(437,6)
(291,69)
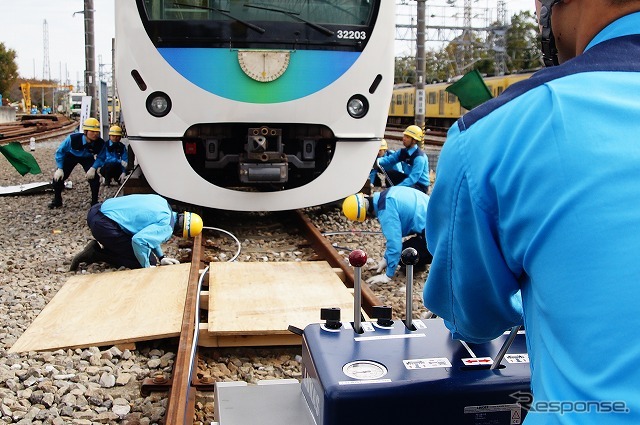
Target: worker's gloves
(91,174)
(122,177)
(381,265)
(166,261)
(377,279)
(58,175)
(124,163)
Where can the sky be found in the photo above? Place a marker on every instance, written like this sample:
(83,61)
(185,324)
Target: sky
(22,30)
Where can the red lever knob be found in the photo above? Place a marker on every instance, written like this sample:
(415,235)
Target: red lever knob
(357,258)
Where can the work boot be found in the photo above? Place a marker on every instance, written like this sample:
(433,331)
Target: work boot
(90,254)
(56,203)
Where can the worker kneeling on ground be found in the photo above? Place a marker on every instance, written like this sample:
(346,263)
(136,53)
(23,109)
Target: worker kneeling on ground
(130,230)
(414,162)
(402,211)
(374,179)
(116,158)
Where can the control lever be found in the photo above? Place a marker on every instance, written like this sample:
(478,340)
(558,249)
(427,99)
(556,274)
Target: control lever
(409,258)
(505,347)
(383,314)
(357,259)
(331,316)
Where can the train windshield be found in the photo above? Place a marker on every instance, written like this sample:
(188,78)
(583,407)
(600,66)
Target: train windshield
(289,24)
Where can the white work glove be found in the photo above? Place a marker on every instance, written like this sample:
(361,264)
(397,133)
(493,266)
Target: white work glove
(122,177)
(58,175)
(380,278)
(124,163)
(382,264)
(166,261)
(91,173)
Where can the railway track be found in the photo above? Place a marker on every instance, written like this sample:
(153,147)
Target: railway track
(188,376)
(40,127)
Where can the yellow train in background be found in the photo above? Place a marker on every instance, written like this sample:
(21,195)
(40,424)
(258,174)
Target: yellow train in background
(442,108)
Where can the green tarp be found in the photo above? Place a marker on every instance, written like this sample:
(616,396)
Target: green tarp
(471,90)
(23,161)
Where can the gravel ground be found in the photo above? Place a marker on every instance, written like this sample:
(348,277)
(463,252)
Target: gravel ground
(99,385)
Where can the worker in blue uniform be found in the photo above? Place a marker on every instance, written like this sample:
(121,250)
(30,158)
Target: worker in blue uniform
(116,158)
(535,212)
(86,149)
(402,212)
(374,179)
(130,230)
(415,164)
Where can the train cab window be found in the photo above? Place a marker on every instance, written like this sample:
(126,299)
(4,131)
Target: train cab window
(451,98)
(431,98)
(350,12)
(500,90)
(398,99)
(334,25)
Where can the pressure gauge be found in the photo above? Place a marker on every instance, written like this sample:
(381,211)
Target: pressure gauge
(364,370)
(263,65)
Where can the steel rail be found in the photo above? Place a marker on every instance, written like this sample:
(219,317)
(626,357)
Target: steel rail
(324,248)
(181,405)
(181,398)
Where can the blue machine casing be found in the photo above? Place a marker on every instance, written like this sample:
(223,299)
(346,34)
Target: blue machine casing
(391,375)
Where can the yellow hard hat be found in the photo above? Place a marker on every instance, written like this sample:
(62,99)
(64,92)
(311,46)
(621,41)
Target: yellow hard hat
(91,124)
(115,130)
(414,132)
(383,145)
(354,207)
(192,226)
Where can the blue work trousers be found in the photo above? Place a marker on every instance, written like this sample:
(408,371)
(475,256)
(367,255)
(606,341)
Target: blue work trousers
(115,240)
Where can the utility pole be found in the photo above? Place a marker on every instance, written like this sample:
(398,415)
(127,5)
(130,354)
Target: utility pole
(420,64)
(90,56)
(46,70)
(114,86)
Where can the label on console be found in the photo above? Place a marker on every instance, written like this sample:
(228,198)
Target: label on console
(431,363)
(494,413)
(517,358)
(477,361)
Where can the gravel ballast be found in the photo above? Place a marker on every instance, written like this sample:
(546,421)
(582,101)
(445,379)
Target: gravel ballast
(101,385)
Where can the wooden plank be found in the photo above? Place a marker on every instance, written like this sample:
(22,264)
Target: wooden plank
(205,339)
(265,298)
(110,308)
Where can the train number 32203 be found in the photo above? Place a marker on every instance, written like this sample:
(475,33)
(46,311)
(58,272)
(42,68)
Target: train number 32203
(352,35)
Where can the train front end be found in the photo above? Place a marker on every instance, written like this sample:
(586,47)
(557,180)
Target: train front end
(255,106)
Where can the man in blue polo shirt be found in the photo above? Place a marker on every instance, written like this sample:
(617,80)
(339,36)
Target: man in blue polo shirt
(536,211)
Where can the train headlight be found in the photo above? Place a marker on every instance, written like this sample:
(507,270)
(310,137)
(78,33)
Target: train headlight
(158,104)
(358,106)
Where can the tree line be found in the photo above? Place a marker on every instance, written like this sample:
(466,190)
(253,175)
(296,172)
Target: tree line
(468,52)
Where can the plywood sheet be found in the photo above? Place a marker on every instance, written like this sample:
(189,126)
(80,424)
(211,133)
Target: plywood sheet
(26,188)
(110,308)
(265,298)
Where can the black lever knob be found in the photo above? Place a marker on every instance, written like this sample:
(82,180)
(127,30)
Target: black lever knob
(383,314)
(331,316)
(409,257)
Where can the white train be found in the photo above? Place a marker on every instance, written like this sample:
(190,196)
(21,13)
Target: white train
(255,105)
